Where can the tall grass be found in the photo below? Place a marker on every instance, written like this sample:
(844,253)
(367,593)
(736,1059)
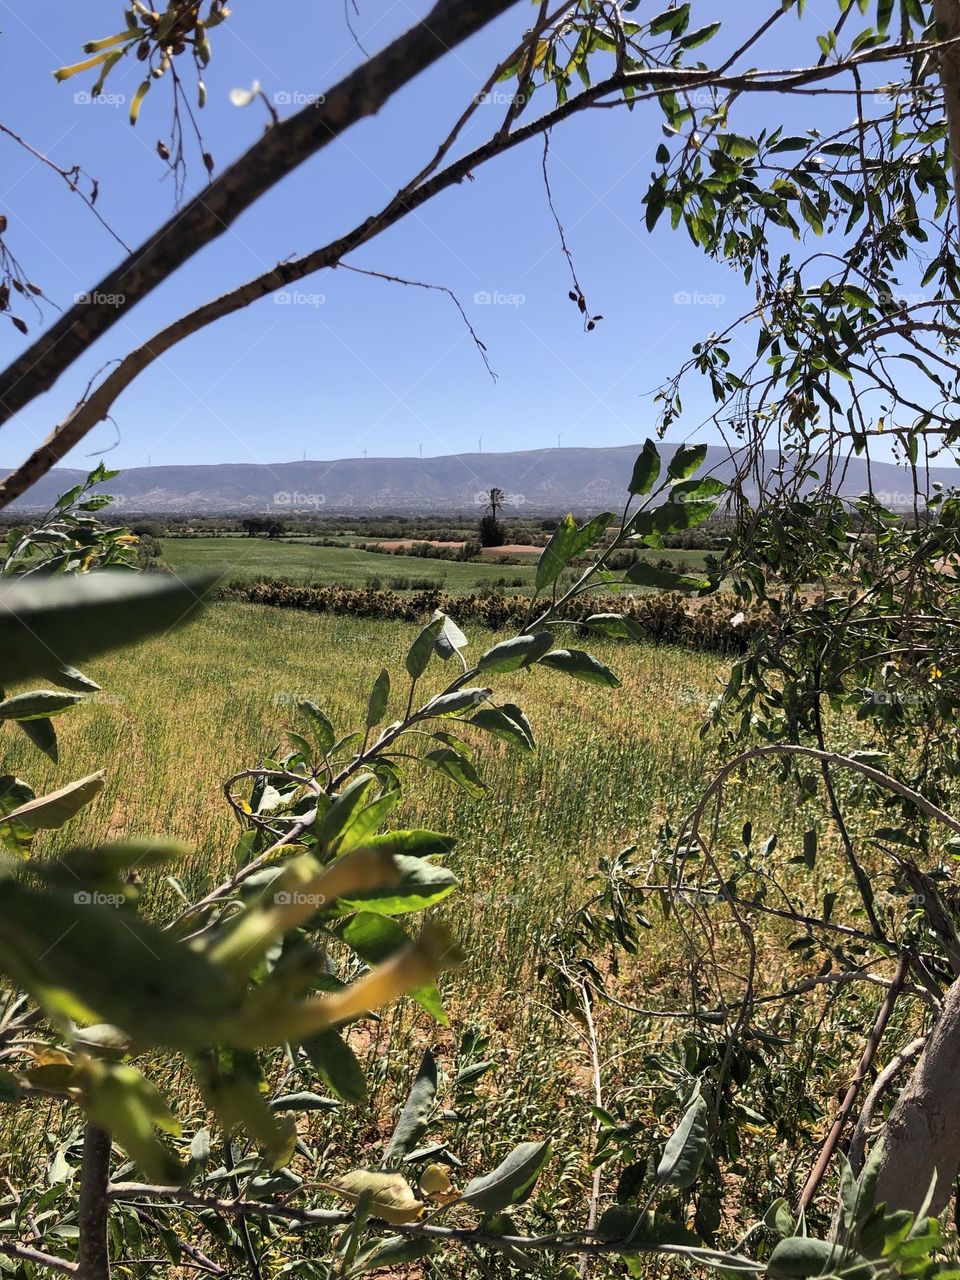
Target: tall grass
(179,712)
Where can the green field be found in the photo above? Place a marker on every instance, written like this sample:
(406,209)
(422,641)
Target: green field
(333,566)
(180,711)
(250,558)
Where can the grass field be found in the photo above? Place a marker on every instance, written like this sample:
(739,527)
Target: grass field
(180,712)
(236,557)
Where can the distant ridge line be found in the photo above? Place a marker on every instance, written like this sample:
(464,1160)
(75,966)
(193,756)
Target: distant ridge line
(536,481)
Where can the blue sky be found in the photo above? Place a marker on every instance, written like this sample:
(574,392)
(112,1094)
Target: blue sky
(351,364)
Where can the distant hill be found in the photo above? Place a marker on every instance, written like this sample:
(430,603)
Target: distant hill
(536,481)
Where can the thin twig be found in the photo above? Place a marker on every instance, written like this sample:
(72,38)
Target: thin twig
(850,1097)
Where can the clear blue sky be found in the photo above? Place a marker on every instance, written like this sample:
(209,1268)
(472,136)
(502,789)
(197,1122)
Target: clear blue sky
(362,365)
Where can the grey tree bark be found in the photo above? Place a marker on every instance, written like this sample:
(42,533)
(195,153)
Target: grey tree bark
(93,1258)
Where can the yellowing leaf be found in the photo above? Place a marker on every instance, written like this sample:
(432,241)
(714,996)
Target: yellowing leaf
(391,1196)
(51,811)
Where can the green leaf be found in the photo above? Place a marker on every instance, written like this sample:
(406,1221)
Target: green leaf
(418,843)
(643,574)
(779,1218)
(620,626)
(450,639)
(646,469)
(137,100)
(336,1063)
(10,1088)
(365,822)
(516,653)
(66,949)
(304,1101)
(14,792)
(799,1256)
(857,297)
(566,543)
(449,704)
(200,1146)
(108,863)
(74,617)
(685,1150)
(417,1110)
(344,809)
(233,1086)
(500,722)
(421,884)
(672,21)
(581,666)
(37,705)
(696,38)
(633,1226)
(379,697)
(740,148)
(789,144)
(697,490)
(392,1252)
(376,938)
(675,517)
(71,678)
(118,1098)
(457,768)
(686,460)
(43,735)
(323,731)
(51,811)
(512,1182)
(422,648)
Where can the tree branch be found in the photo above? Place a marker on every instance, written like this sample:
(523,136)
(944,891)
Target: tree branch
(95,408)
(281,150)
(93,1259)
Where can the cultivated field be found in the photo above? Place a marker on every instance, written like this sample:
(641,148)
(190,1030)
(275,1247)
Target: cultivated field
(179,711)
(239,557)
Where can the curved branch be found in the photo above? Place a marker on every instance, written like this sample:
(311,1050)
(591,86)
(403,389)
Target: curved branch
(828,757)
(281,150)
(858,1141)
(92,410)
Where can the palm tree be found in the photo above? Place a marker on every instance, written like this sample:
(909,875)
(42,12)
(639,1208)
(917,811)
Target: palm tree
(496,499)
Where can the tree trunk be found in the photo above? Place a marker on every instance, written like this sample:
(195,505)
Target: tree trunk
(922,1136)
(93,1258)
(947,14)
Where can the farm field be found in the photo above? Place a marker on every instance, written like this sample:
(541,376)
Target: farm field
(239,557)
(178,711)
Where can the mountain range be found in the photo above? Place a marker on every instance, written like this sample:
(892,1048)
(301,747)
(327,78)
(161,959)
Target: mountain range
(535,481)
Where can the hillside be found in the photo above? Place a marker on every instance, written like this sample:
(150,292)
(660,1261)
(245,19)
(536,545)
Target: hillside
(543,480)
